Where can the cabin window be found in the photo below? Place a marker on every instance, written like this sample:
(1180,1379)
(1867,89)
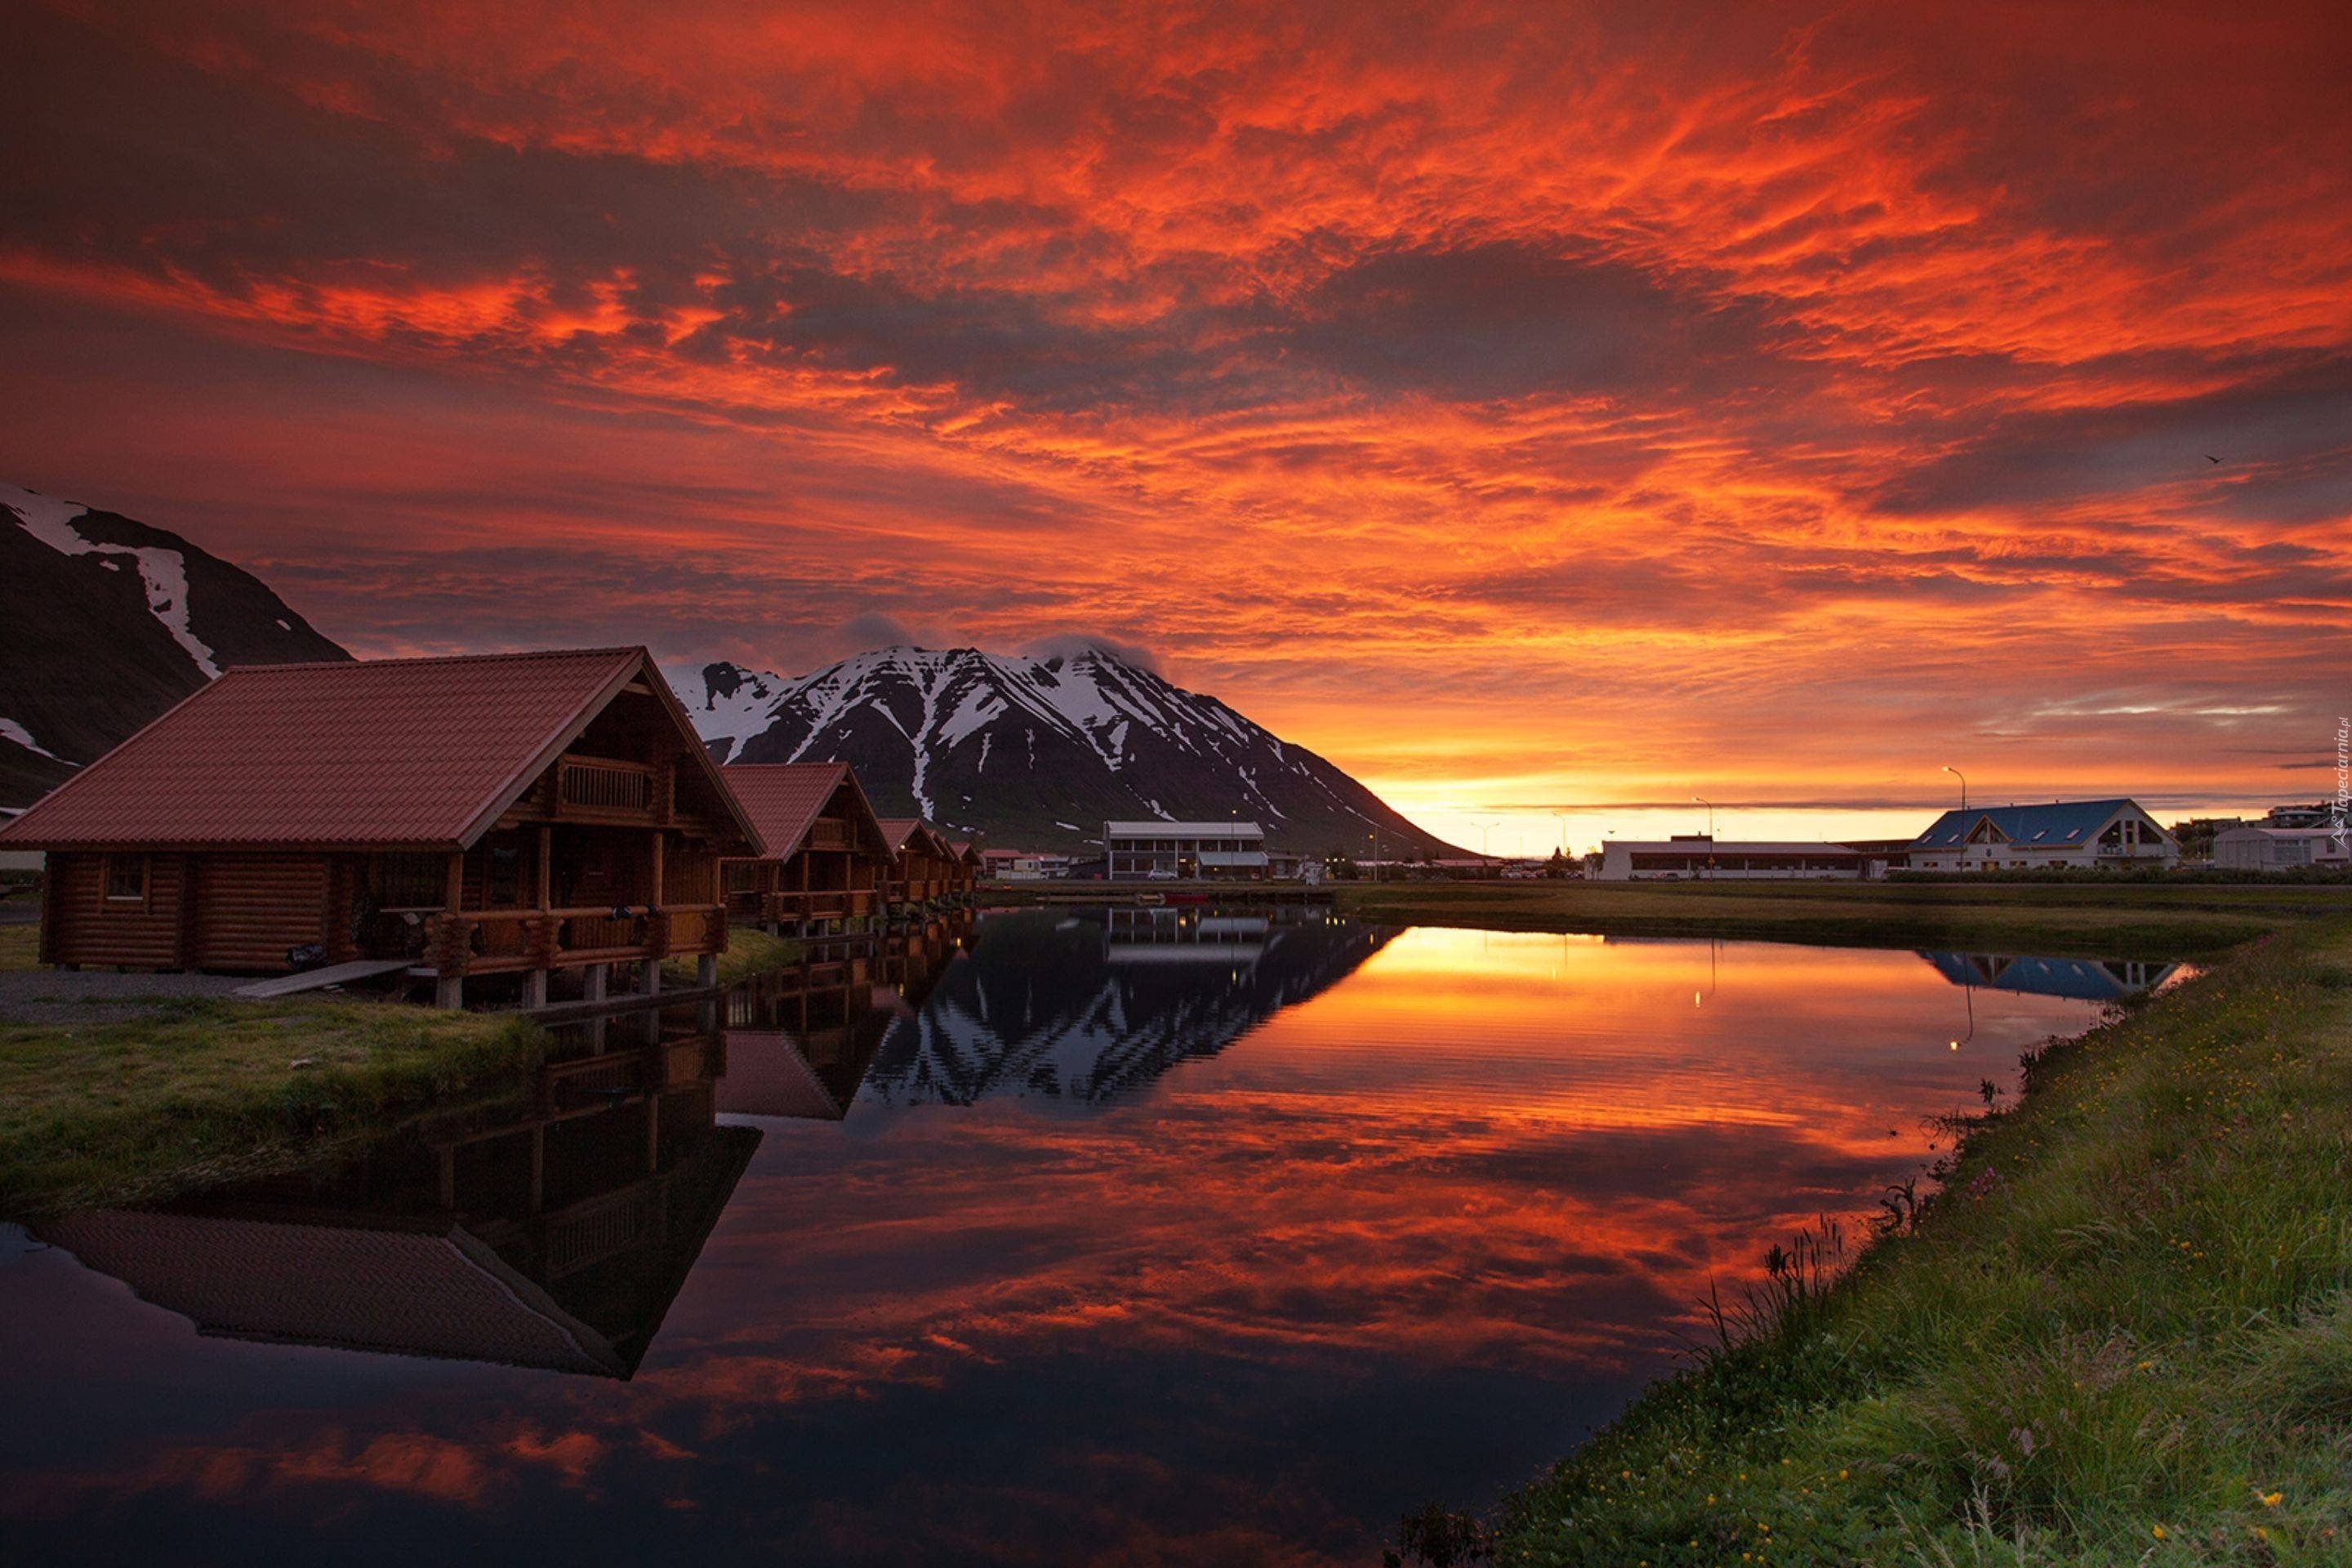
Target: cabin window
(505,877)
(412,881)
(742,875)
(126,879)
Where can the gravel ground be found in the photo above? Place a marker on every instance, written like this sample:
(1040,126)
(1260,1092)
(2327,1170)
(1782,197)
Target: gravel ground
(98,996)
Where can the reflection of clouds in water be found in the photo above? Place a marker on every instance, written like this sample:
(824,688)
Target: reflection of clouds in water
(1456,1194)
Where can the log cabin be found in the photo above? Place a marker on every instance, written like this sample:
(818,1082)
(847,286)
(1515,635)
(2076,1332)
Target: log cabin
(827,855)
(964,870)
(498,814)
(923,866)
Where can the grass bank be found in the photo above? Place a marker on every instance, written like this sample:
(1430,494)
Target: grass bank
(2077,919)
(2123,1335)
(20,947)
(749,954)
(198,1089)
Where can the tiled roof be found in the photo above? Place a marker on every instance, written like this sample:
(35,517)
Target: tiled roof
(896,830)
(422,753)
(2057,824)
(784,799)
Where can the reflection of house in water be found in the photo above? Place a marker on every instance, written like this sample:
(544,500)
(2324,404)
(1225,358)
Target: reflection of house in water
(1087,1009)
(1181,935)
(798,1040)
(555,1238)
(2081,979)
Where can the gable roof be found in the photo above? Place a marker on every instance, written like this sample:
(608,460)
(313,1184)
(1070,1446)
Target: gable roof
(784,800)
(2057,824)
(898,830)
(411,753)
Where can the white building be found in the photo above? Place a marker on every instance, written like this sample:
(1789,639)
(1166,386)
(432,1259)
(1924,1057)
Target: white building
(1182,851)
(2281,848)
(1701,857)
(2076,833)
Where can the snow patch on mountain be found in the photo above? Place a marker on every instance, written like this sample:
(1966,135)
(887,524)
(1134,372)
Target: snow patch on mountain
(1034,742)
(164,572)
(16,735)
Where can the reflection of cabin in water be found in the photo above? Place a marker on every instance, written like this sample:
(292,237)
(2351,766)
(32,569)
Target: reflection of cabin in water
(557,1240)
(827,856)
(798,1040)
(2078,979)
(513,814)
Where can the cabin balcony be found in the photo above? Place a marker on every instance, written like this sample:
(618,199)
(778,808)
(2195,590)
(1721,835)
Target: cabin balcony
(498,942)
(764,908)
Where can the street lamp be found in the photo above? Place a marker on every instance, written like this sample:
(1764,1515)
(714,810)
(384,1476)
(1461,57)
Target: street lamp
(1964,783)
(1710,813)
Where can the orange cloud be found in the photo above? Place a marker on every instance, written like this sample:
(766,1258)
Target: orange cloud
(1524,406)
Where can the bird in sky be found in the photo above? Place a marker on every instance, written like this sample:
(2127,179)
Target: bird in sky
(2211,458)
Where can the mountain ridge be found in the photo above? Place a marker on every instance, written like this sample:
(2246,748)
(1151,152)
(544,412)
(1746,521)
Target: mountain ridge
(105,622)
(1075,739)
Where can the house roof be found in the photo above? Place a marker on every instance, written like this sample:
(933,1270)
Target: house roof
(1184,830)
(2057,825)
(784,800)
(413,752)
(1721,847)
(429,1290)
(896,830)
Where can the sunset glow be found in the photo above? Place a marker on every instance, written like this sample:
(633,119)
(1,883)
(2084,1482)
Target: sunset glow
(1534,409)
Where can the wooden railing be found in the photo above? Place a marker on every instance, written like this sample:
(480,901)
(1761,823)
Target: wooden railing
(606,786)
(478,941)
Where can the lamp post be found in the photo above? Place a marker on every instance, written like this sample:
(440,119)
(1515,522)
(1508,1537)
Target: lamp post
(1710,813)
(1964,783)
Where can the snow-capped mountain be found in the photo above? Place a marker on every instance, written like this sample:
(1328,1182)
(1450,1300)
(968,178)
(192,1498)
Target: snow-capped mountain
(1039,753)
(105,623)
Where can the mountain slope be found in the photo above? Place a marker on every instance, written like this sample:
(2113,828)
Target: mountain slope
(1039,753)
(105,623)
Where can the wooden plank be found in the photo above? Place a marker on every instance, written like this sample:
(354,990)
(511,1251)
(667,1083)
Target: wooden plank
(316,978)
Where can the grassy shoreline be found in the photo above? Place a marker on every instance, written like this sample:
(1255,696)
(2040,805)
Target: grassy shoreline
(195,1089)
(2123,1335)
(2058,919)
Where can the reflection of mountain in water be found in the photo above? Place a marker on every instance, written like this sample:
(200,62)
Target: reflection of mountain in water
(2081,979)
(551,1236)
(1089,1008)
(799,1041)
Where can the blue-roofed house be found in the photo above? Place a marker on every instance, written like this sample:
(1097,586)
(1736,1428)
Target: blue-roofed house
(2085,833)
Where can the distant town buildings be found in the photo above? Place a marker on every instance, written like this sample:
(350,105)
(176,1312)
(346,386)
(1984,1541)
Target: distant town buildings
(2281,848)
(1700,855)
(1183,851)
(2064,833)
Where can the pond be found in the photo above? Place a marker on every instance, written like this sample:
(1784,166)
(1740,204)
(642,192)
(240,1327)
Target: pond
(1142,1235)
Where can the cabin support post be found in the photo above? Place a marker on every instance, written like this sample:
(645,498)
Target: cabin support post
(649,976)
(594,980)
(706,970)
(449,990)
(534,989)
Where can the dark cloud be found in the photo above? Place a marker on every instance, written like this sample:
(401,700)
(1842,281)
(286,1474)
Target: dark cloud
(1511,320)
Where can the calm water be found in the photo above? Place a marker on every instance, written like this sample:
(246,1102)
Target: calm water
(1153,1238)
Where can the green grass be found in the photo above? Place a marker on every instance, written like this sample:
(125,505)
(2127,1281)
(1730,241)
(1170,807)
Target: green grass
(749,954)
(198,1090)
(2080,918)
(2124,1335)
(20,947)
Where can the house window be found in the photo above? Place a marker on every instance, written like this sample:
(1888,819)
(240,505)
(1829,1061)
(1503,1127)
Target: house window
(126,879)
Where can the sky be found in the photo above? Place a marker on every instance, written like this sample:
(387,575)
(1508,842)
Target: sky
(1549,413)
